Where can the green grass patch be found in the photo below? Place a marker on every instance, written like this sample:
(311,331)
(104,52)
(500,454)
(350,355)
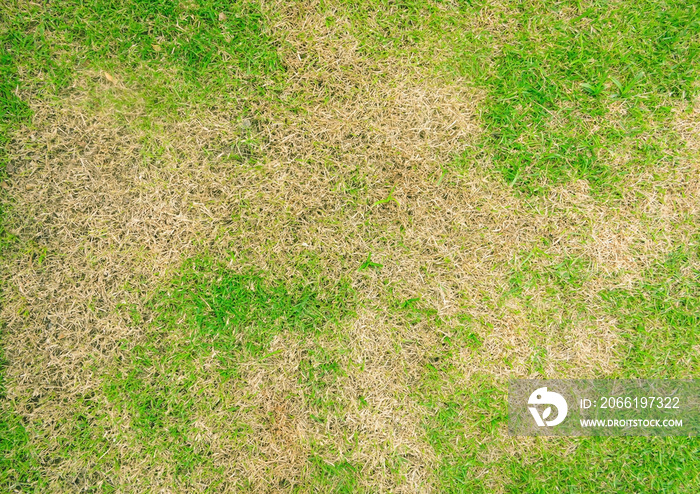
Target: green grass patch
(209,310)
(549,290)
(607,465)
(238,314)
(154,391)
(19,468)
(201,38)
(561,68)
(338,478)
(463,425)
(459,416)
(176,53)
(660,318)
(410,29)
(12,109)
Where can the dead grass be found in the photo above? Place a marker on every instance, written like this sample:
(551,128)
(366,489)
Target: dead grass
(113,223)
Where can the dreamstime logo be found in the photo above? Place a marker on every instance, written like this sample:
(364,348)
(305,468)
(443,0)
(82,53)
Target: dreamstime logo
(543,397)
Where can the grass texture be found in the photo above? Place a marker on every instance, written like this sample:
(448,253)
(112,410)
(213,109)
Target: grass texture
(302,246)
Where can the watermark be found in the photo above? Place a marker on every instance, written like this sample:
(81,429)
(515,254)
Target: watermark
(603,407)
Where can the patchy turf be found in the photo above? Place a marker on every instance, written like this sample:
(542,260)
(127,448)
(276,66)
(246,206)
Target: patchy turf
(301,247)
(574,85)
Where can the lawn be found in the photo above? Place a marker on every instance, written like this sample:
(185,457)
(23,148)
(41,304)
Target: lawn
(268,246)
